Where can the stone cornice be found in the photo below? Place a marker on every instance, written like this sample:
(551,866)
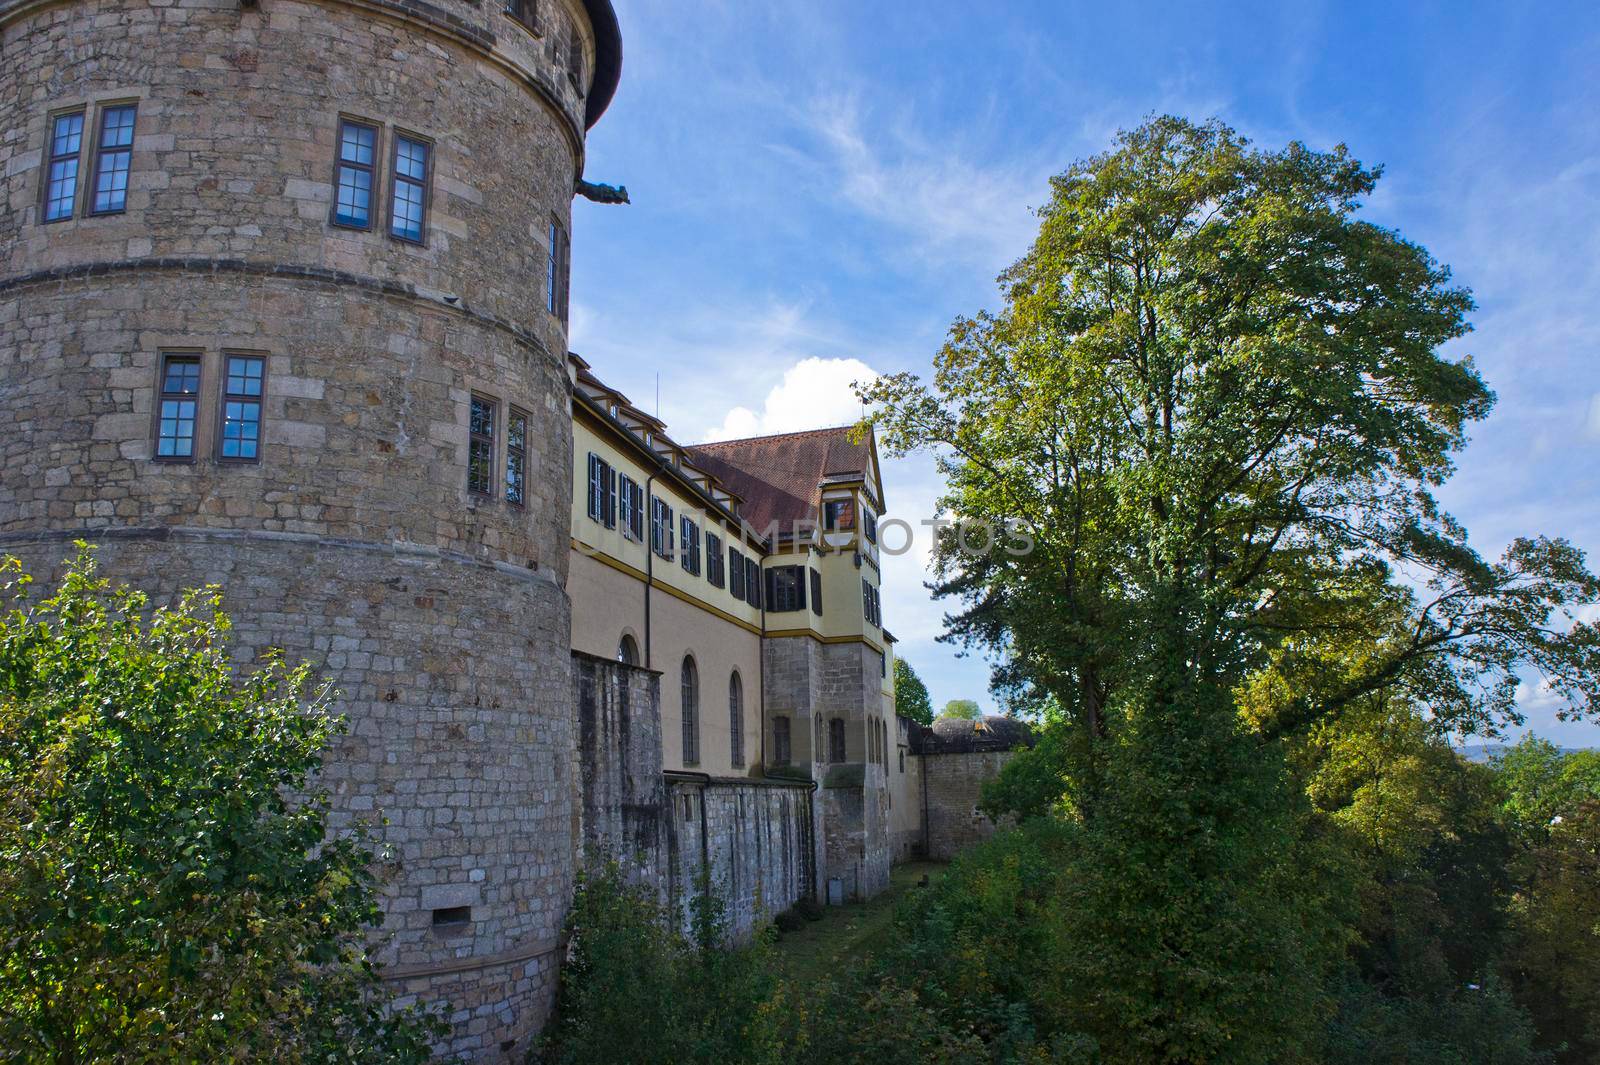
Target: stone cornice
(285,271)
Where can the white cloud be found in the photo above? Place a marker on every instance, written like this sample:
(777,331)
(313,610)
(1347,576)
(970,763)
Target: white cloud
(814,393)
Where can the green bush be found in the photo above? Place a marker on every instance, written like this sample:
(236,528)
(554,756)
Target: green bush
(634,989)
(161,898)
(1476,1025)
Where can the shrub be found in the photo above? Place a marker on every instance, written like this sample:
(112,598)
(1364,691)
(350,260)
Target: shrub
(636,990)
(161,897)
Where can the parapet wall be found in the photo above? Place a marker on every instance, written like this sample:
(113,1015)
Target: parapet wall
(750,840)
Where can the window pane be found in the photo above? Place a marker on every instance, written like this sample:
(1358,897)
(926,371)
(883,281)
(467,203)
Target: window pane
(111,172)
(244,375)
(182,377)
(691,711)
(111,188)
(356,143)
(482,417)
(480,447)
(408,211)
(516,457)
(355,196)
(177,428)
(411,159)
(551,270)
(63,190)
(67,138)
(117,130)
(241,429)
(410,174)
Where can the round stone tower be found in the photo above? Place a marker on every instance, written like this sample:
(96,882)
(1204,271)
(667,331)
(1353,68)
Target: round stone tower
(282,307)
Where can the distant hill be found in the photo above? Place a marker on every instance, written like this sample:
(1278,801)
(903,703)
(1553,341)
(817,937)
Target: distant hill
(1487,752)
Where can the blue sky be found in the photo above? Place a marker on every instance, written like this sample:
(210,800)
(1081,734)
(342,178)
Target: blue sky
(820,187)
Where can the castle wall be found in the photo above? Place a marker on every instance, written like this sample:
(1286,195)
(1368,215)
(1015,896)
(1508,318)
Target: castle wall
(750,841)
(906,838)
(353,543)
(620,797)
(954,788)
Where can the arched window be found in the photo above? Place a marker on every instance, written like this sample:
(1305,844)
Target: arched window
(736,719)
(836,751)
(691,712)
(628,651)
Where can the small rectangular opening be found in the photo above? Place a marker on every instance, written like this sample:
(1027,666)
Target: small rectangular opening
(452,915)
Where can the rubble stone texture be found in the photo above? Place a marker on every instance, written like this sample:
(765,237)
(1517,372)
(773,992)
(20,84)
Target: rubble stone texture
(441,618)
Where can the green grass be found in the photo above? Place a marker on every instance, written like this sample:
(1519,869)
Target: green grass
(848,934)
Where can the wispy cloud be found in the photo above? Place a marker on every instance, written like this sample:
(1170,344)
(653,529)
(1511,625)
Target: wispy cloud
(930,191)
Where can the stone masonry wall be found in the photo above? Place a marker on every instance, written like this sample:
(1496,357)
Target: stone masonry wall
(954,785)
(353,543)
(749,840)
(459,735)
(238,114)
(621,797)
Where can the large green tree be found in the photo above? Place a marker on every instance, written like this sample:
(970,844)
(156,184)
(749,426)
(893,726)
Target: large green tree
(911,698)
(1213,410)
(1216,404)
(162,897)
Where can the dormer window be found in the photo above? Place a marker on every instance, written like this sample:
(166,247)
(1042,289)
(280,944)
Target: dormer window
(839,515)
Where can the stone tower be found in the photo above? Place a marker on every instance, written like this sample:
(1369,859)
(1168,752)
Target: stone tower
(282,307)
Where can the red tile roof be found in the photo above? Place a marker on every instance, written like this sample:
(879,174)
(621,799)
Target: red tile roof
(779,476)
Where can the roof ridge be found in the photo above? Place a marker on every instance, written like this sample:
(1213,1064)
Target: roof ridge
(775,436)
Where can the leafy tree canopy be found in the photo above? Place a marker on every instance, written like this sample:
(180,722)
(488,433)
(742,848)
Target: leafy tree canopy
(1542,783)
(964,709)
(911,698)
(1217,404)
(161,899)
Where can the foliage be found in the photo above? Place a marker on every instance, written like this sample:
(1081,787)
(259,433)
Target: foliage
(1423,827)
(1555,958)
(635,989)
(1541,783)
(962,709)
(1034,781)
(161,896)
(1475,1025)
(1215,404)
(911,698)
